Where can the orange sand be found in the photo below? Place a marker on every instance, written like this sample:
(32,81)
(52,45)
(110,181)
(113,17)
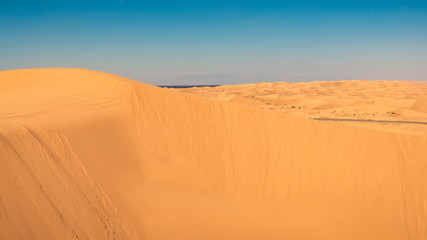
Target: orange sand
(356,99)
(89,155)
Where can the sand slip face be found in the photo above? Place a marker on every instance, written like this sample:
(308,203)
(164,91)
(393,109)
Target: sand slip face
(95,156)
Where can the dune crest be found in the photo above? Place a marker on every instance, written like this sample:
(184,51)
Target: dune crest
(90,155)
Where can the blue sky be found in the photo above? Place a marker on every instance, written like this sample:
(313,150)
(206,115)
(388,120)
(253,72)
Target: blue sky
(219,42)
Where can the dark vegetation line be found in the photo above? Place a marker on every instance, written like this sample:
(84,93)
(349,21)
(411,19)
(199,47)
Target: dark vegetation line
(363,120)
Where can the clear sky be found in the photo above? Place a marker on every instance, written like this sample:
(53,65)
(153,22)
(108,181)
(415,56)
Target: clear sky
(219,42)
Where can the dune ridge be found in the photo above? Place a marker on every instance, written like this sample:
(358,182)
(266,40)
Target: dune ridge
(92,155)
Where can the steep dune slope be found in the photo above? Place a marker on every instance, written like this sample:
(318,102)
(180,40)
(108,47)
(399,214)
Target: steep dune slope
(47,193)
(182,167)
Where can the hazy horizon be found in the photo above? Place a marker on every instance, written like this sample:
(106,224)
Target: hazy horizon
(219,42)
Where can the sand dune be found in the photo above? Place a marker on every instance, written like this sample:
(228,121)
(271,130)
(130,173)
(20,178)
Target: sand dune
(89,155)
(367,100)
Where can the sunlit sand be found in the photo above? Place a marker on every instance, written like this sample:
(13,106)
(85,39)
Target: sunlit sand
(90,155)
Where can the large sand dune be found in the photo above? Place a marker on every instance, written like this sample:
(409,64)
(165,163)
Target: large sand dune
(89,155)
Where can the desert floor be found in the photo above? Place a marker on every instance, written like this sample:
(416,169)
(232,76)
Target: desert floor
(392,101)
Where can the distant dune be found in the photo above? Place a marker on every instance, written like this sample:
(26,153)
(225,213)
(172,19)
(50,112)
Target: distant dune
(388,101)
(90,155)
